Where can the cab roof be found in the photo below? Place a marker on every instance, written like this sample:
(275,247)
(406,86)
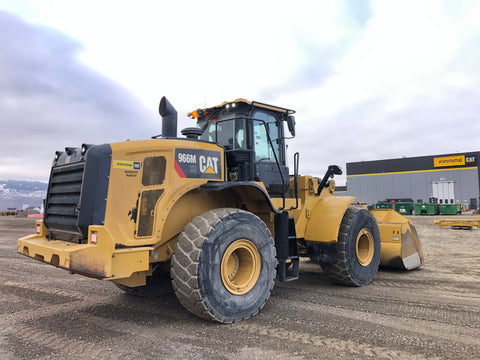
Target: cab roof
(253,103)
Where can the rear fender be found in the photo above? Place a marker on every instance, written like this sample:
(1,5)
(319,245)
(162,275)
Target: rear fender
(198,200)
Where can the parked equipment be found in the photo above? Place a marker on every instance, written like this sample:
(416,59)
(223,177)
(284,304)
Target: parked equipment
(217,211)
(463,224)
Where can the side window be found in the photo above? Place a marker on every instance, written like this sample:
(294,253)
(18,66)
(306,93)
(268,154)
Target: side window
(225,134)
(229,133)
(263,149)
(209,133)
(261,142)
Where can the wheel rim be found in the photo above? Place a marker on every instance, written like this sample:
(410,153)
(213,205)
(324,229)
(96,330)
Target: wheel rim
(364,247)
(240,267)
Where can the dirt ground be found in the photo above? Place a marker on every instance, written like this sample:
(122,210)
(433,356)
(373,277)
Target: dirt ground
(430,313)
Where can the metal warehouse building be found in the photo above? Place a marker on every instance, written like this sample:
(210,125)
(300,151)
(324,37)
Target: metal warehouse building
(449,178)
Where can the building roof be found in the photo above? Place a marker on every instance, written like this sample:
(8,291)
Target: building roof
(419,163)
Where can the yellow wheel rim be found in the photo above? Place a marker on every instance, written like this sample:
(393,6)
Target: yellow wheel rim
(365,247)
(240,267)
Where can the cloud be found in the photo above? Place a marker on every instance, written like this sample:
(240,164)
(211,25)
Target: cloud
(369,79)
(407,84)
(49,100)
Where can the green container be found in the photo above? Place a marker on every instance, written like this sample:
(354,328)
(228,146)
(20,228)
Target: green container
(449,209)
(426,209)
(404,208)
(383,206)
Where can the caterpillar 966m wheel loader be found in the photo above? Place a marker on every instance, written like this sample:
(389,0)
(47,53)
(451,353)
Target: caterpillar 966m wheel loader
(216,211)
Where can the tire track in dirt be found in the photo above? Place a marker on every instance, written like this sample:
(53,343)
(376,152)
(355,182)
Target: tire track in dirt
(462,334)
(19,330)
(272,332)
(377,303)
(438,286)
(74,295)
(53,344)
(352,348)
(72,301)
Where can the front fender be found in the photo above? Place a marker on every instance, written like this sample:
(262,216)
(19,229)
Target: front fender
(325,219)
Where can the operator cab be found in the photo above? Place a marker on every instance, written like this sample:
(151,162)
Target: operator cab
(253,137)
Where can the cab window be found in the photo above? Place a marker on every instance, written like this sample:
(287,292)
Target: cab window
(263,149)
(229,134)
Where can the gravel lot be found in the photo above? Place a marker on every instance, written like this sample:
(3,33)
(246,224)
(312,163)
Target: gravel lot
(430,313)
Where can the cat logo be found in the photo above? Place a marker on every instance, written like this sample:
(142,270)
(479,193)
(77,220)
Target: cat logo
(200,164)
(208,164)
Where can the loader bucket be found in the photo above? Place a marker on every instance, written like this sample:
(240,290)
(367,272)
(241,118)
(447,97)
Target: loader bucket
(401,247)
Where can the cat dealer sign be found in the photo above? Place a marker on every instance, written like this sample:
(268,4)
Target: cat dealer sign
(450,161)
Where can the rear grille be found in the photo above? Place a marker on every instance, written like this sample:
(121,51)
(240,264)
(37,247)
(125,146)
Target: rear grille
(147,211)
(63,201)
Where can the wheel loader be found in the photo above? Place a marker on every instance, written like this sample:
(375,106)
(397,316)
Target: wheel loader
(215,214)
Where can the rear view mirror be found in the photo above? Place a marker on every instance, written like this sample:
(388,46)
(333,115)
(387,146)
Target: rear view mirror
(291,124)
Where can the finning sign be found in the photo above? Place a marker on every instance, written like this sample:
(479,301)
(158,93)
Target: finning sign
(458,160)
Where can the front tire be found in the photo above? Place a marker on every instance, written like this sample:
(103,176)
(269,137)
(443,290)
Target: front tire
(224,265)
(358,249)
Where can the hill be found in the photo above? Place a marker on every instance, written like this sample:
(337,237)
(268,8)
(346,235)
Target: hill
(21,194)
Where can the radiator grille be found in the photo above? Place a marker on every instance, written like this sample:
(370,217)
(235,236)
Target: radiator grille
(63,201)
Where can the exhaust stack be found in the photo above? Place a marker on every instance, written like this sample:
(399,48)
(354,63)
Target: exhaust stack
(169,118)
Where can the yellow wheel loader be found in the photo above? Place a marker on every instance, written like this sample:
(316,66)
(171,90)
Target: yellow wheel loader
(215,212)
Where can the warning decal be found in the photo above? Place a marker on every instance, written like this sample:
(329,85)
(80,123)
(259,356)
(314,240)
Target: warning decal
(203,164)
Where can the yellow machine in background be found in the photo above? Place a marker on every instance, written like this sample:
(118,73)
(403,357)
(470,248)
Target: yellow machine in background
(216,211)
(463,224)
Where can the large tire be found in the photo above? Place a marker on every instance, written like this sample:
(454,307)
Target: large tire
(358,248)
(224,265)
(157,285)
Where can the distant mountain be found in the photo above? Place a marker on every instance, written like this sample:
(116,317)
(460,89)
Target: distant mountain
(21,194)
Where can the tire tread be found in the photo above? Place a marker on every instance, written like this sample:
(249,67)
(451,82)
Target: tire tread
(339,271)
(185,262)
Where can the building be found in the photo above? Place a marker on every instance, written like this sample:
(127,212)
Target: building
(448,178)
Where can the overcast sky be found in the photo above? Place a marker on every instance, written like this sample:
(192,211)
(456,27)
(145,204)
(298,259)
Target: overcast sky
(369,79)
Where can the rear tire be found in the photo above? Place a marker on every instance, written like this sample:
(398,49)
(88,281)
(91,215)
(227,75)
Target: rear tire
(358,248)
(223,267)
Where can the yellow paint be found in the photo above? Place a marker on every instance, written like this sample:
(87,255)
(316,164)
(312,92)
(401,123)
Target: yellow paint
(210,170)
(240,267)
(399,240)
(325,219)
(449,161)
(101,260)
(457,222)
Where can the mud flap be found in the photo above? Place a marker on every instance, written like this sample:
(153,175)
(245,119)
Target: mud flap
(401,246)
